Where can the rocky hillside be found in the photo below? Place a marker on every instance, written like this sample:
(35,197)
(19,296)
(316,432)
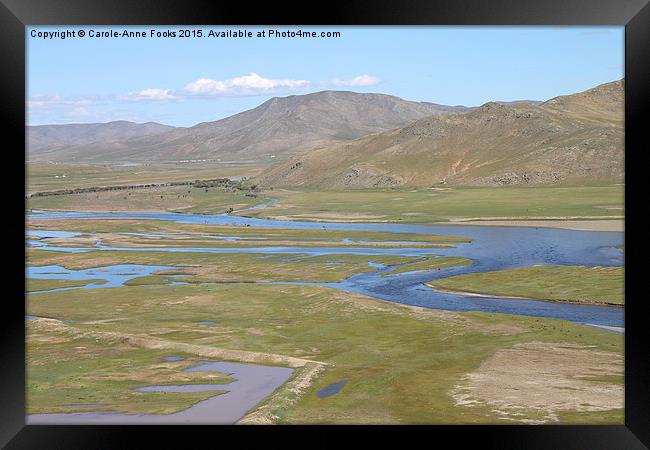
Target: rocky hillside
(570,138)
(280,127)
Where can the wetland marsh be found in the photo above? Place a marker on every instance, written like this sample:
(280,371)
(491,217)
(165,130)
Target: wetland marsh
(333,301)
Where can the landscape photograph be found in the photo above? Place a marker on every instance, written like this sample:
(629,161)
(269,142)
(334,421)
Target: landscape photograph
(324,225)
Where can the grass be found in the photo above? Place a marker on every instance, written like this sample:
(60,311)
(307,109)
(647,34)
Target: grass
(39,284)
(68,373)
(400,362)
(149,280)
(394,205)
(193,235)
(172,198)
(577,284)
(430,264)
(49,177)
(444,204)
(226,267)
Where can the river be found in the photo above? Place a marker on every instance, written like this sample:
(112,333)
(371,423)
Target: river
(492,248)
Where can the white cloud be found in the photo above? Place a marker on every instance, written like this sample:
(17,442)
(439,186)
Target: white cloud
(50,101)
(57,108)
(151,94)
(358,81)
(251,84)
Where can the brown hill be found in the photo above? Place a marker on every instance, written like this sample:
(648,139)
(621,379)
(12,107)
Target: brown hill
(569,138)
(280,127)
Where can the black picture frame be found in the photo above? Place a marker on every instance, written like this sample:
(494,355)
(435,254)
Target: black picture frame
(15,15)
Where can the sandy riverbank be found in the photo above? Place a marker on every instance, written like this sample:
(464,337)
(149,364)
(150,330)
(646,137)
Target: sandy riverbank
(609,328)
(581,225)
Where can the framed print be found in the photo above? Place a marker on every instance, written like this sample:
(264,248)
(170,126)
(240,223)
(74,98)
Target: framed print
(385,214)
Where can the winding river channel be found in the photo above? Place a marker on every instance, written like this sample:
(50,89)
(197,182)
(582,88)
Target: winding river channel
(492,248)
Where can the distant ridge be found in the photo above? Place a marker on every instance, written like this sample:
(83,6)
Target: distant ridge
(279,127)
(52,137)
(568,138)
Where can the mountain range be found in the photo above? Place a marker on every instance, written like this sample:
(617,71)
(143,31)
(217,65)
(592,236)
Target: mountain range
(279,127)
(44,139)
(569,138)
(341,139)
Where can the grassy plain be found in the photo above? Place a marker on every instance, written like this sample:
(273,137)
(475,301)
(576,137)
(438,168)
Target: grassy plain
(36,284)
(447,204)
(51,177)
(171,198)
(576,284)
(400,363)
(424,205)
(226,267)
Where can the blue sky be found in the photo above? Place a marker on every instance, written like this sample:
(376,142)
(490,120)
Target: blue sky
(184,81)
